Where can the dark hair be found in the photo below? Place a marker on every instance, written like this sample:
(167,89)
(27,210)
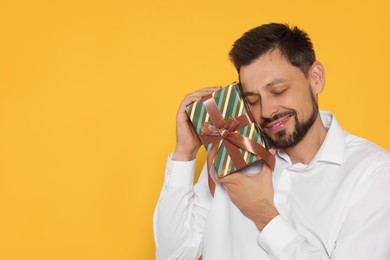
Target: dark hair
(293,43)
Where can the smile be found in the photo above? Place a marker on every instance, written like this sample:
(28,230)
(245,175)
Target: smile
(278,125)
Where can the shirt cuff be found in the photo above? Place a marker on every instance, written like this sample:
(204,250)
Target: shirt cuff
(276,235)
(179,173)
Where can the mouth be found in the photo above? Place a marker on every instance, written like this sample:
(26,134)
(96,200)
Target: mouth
(279,124)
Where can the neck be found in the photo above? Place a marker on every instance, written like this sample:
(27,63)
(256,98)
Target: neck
(307,148)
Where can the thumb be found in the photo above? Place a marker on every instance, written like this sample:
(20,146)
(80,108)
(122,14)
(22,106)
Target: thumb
(265,170)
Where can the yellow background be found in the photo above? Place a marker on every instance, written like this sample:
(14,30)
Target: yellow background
(88,96)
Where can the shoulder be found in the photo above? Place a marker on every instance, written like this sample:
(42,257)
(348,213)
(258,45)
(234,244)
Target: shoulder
(367,166)
(365,153)
(356,144)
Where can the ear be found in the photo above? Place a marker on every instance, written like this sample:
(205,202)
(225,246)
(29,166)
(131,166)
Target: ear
(317,77)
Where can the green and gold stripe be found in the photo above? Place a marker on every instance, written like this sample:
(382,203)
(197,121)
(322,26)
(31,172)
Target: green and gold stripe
(230,103)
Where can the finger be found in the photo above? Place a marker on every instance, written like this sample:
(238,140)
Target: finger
(190,99)
(187,101)
(226,187)
(229,187)
(212,88)
(196,96)
(226,179)
(231,178)
(272,151)
(266,169)
(204,91)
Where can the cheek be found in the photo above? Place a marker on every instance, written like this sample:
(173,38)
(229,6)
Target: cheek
(255,111)
(304,107)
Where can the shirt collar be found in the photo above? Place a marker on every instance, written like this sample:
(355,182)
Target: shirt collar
(332,149)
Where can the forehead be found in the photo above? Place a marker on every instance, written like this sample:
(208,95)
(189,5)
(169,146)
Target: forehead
(268,68)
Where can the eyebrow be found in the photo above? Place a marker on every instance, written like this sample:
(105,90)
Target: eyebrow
(268,85)
(274,82)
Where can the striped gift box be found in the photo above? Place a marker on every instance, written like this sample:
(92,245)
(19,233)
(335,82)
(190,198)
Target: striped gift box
(231,104)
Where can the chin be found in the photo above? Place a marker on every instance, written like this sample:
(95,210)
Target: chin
(281,139)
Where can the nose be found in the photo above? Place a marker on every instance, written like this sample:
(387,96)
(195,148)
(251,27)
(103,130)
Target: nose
(268,108)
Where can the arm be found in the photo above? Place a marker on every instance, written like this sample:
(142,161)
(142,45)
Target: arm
(366,231)
(181,212)
(364,234)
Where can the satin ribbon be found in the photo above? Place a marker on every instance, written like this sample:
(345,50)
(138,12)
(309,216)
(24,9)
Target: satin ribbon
(225,132)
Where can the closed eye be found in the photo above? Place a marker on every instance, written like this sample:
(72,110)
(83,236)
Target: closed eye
(252,100)
(279,92)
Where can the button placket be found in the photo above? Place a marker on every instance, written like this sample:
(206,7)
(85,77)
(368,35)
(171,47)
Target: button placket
(280,193)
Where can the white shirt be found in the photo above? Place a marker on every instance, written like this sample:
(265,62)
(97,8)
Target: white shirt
(336,207)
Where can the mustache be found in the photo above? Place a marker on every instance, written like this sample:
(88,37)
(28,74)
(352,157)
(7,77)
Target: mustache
(266,121)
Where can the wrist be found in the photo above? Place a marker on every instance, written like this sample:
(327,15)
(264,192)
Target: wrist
(269,215)
(183,154)
(179,156)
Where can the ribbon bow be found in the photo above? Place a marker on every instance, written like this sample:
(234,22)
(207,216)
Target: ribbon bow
(225,132)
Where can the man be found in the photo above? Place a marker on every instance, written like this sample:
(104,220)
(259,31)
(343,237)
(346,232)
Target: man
(328,196)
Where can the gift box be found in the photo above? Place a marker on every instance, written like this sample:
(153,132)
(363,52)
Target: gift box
(224,124)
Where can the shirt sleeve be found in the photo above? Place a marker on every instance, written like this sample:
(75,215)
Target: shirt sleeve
(281,241)
(365,233)
(180,216)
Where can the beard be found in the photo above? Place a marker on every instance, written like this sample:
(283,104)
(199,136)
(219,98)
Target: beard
(283,140)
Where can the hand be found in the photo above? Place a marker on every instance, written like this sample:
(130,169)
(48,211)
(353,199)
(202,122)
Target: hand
(253,195)
(187,140)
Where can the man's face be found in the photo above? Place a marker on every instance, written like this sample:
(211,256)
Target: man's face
(280,97)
